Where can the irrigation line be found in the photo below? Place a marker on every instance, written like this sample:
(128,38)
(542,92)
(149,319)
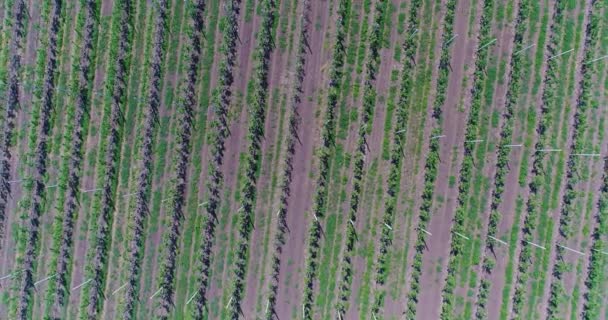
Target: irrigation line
(586,154)
(461,235)
(451,39)
(155,293)
(430,234)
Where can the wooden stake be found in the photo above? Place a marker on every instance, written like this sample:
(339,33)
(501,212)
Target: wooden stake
(461,235)
(570,249)
(155,293)
(536,245)
(190,300)
(524,49)
(558,55)
(45,279)
(82,284)
(496,239)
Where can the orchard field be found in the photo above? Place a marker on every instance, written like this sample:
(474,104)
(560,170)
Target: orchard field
(304,159)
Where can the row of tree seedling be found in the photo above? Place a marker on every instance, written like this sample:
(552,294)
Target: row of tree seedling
(432,160)
(397,154)
(369,100)
(219,131)
(290,150)
(257,121)
(544,123)
(468,162)
(573,174)
(325,153)
(503,155)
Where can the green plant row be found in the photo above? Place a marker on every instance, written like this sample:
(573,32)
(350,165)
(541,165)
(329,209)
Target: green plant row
(70,144)
(170,246)
(192,233)
(286,176)
(28,231)
(432,160)
(573,174)
(325,155)
(595,280)
(369,100)
(145,142)
(544,123)
(11,107)
(503,154)
(219,131)
(257,118)
(468,162)
(111,128)
(397,153)
(40,125)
